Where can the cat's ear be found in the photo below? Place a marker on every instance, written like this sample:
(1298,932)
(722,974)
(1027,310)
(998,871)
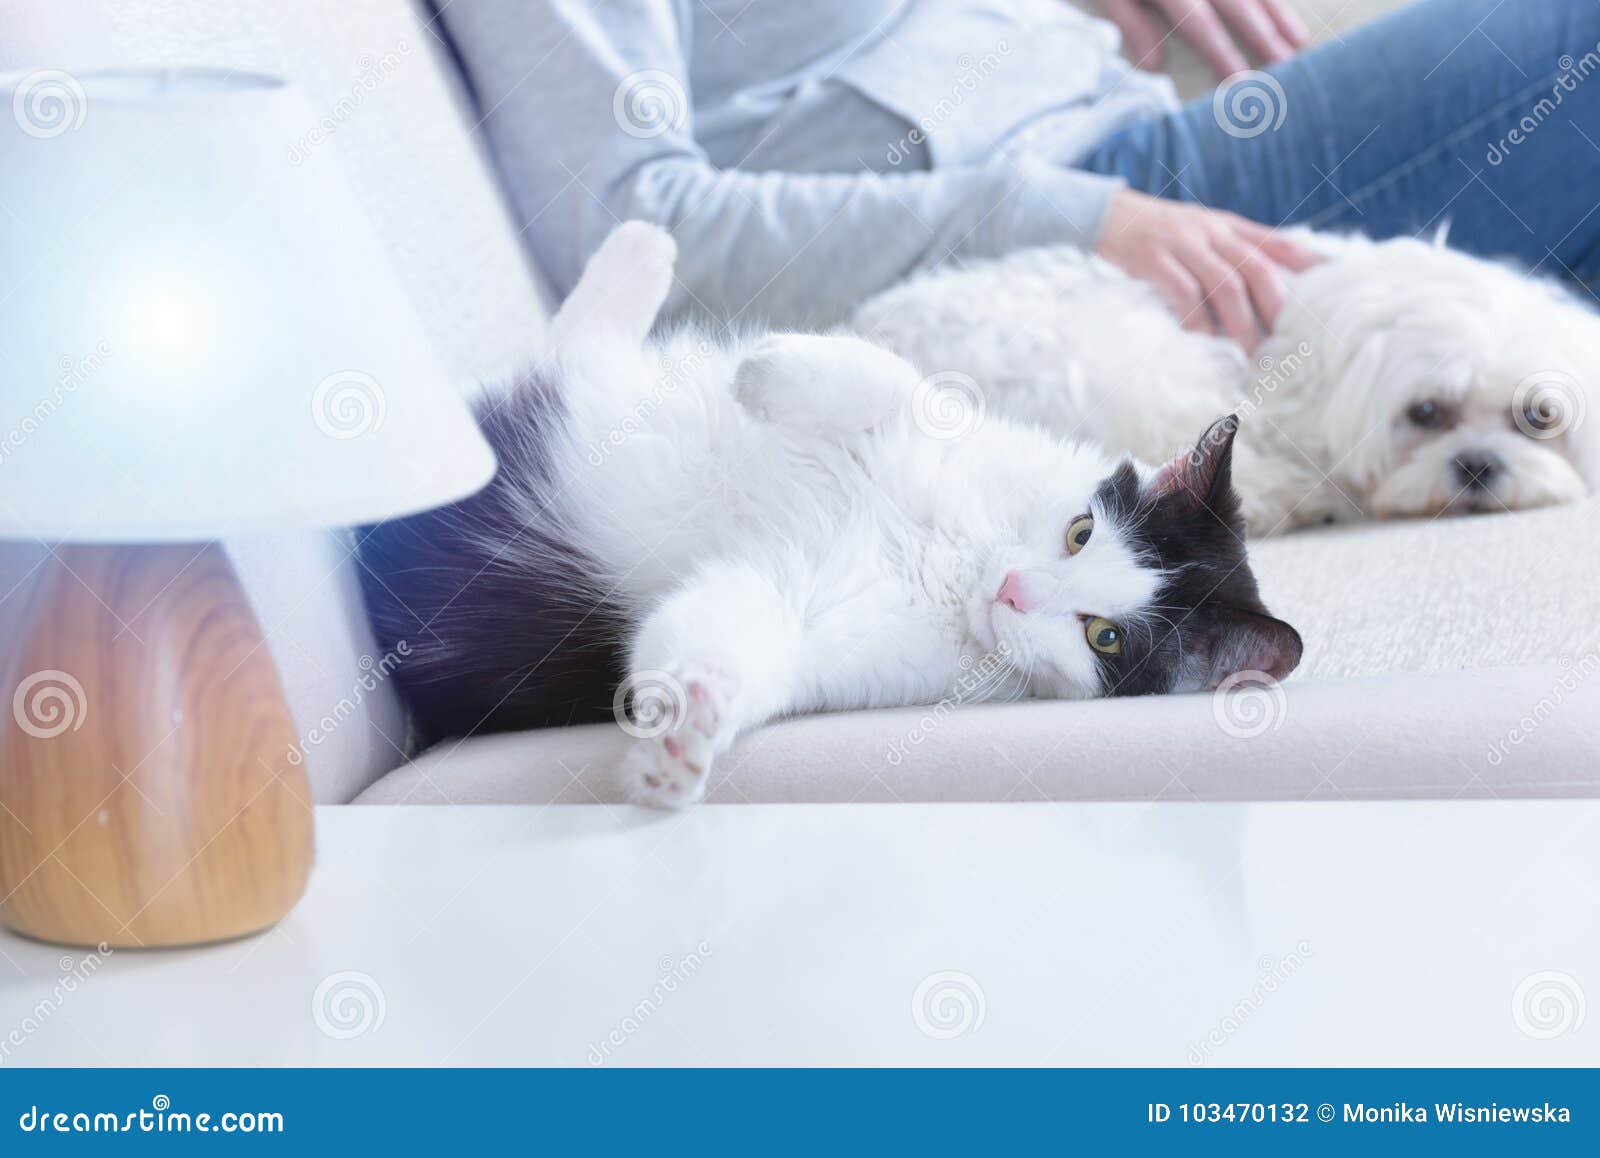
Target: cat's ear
(1237,641)
(1202,477)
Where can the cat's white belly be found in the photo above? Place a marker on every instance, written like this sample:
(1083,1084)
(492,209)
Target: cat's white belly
(862,537)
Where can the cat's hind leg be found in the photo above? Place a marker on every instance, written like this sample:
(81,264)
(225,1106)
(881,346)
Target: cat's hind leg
(622,288)
(716,657)
(823,384)
(597,349)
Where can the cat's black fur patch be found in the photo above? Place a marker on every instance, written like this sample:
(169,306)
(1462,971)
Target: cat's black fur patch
(1208,608)
(527,646)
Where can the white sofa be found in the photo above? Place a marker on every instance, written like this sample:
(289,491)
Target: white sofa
(1443,659)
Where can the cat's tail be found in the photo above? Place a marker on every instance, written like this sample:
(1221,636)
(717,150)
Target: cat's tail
(622,289)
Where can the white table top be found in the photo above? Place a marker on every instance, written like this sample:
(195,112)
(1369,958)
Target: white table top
(1378,934)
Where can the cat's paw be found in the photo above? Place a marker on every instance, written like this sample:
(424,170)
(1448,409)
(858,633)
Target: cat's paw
(637,247)
(670,765)
(623,287)
(775,377)
(638,259)
(821,382)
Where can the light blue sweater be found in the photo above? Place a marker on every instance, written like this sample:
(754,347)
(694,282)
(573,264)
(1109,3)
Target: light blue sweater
(805,153)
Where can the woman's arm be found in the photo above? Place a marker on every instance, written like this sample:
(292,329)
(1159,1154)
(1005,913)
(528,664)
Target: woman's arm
(591,125)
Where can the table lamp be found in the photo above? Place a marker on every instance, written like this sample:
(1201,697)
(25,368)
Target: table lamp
(199,339)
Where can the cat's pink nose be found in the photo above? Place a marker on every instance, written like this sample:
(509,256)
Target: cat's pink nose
(1011,592)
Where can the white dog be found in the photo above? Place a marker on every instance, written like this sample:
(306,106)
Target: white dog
(1403,378)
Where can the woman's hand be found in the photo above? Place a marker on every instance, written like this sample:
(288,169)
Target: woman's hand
(1269,29)
(1218,271)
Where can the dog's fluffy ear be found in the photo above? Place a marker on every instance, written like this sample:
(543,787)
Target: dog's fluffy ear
(1202,477)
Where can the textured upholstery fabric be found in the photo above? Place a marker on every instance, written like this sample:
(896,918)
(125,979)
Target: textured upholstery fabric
(1446,596)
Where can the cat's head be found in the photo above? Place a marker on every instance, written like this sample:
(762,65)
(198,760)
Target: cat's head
(1145,589)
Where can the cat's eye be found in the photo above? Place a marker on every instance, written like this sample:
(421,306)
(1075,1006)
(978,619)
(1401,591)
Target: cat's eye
(1432,415)
(1103,636)
(1078,533)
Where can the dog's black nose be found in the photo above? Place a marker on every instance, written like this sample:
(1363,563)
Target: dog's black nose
(1478,470)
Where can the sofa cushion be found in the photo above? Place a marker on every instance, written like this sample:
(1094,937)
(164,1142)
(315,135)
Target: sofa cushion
(1449,658)
(1440,595)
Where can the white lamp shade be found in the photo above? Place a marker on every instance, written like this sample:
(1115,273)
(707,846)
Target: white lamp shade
(199,334)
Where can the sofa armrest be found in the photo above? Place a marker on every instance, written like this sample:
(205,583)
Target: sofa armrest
(1502,733)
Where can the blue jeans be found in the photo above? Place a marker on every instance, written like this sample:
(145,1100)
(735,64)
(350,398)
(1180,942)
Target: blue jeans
(1485,114)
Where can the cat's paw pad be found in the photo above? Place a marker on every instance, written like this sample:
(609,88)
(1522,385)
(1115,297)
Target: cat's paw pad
(671,764)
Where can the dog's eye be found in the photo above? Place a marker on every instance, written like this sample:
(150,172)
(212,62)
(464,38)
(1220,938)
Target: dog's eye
(1431,415)
(1539,415)
(1078,533)
(1103,636)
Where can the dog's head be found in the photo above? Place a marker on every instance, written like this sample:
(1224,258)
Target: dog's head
(1440,383)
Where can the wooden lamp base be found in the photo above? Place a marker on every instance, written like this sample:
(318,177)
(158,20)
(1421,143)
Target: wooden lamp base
(150,789)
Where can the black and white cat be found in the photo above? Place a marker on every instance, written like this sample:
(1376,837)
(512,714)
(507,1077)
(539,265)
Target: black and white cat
(698,537)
